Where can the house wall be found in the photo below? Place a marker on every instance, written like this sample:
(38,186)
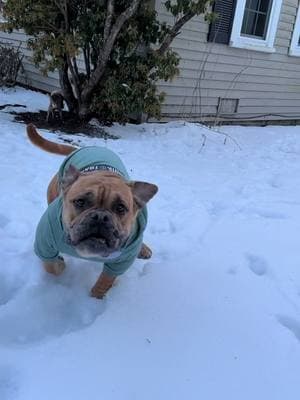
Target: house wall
(264,83)
(31,76)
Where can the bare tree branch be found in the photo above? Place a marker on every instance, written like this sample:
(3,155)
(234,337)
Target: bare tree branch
(63,7)
(75,79)
(109,17)
(86,56)
(226,135)
(174,32)
(10,64)
(75,66)
(122,18)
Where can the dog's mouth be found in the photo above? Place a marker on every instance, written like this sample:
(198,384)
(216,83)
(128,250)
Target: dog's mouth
(97,240)
(97,243)
(102,240)
(104,237)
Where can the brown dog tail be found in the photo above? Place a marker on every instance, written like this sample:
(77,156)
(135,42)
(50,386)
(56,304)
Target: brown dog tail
(46,145)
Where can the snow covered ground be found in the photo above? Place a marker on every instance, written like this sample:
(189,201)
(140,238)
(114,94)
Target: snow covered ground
(215,314)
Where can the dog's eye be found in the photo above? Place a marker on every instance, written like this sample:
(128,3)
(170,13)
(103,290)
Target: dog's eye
(79,203)
(120,209)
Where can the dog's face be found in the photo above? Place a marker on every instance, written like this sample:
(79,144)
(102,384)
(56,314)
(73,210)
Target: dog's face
(99,210)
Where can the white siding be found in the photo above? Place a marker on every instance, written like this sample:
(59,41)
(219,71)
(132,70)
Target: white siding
(264,83)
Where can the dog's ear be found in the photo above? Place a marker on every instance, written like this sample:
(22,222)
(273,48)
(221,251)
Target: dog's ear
(70,176)
(142,192)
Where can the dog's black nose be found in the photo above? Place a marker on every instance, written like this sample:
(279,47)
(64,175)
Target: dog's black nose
(101,217)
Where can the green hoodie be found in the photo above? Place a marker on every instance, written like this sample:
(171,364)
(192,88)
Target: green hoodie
(51,238)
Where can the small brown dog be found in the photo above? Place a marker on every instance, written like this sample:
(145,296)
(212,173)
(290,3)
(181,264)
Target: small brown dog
(95,212)
(56,105)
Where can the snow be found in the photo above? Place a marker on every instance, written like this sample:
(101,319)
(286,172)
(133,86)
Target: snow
(214,314)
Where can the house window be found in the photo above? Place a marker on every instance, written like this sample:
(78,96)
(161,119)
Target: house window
(255,24)
(295,43)
(256,15)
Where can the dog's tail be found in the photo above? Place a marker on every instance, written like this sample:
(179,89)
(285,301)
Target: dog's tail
(46,145)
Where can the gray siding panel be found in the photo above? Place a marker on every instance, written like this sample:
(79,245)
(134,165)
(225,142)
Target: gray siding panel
(289,9)
(231,87)
(264,83)
(245,74)
(210,95)
(285,105)
(31,76)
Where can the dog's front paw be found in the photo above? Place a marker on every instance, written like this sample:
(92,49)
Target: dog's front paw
(145,252)
(103,284)
(55,267)
(97,293)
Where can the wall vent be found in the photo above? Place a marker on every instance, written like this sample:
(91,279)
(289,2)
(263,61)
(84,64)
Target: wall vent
(228,106)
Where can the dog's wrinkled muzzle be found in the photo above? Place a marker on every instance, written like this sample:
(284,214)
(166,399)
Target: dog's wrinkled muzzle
(96,233)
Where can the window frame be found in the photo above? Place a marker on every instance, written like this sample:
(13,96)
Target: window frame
(253,43)
(295,46)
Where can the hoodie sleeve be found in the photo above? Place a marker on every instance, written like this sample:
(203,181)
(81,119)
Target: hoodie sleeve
(44,245)
(118,268)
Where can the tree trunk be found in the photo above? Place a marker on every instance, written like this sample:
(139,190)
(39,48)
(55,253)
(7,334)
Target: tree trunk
(84,110)
(90,87)
(67,90)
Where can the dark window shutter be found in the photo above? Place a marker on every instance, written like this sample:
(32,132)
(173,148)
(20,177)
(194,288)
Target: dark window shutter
(220,29)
